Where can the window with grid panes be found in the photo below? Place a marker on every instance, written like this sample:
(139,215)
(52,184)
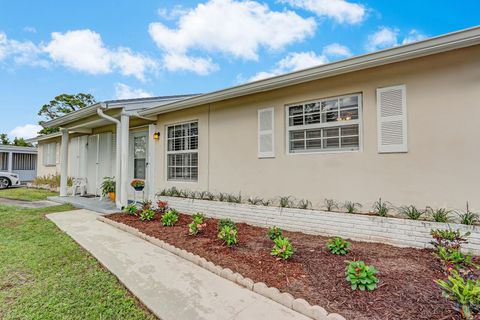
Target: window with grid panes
(331,124)
(182,151)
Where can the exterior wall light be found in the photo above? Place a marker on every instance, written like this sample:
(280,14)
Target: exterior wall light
(156,136)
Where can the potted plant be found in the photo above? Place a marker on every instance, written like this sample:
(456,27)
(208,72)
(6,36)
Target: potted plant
(138,184)
(108,187)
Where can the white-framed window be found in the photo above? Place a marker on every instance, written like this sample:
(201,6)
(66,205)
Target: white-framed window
(325,125)
(182,151)
(50,154)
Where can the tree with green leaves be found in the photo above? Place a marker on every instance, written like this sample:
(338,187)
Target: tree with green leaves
(4,139)
(21,142)
(62,105)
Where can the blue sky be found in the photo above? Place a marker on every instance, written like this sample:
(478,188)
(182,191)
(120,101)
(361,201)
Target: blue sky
(125,48)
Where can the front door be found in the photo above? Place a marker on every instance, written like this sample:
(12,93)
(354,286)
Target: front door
(138,152)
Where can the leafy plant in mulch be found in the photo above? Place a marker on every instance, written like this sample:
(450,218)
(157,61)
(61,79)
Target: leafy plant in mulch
(448,238)
(464,293)
(361,276)
(197,224)
(274,232)
(412,212)
(330,204)
(439,214)
(338,246)
(467,217)
(170,217)
(162,206)
(228,235)
(351,207)
(282,248)
(146,204)
(381,208)
(454,258)
(286,202)
(226,222)
(131,209)
(147,215)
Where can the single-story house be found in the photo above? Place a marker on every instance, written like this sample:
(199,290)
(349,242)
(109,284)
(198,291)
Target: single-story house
(19,160)
(401,124)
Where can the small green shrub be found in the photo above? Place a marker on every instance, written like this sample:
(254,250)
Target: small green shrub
(162,206)
(286,202)
(351,207)
(454,258)
(197,224)
(222,197)
(282,248)
(228,235)
(467,217)
(464,293)
(266,203)
(226,222)
(361,276)
(330,204)
(304,204)
(131,209)
(448,238)
(147,215)
(274,232)
(381,207)
(234,199)
(439,215)
(338,246)
(170,218)
(255,201)
(205,195)
(411,212)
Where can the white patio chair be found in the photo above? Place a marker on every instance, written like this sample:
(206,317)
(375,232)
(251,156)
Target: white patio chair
(79,185)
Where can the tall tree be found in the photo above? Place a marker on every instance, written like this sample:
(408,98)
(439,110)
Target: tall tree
(61,105)
(4,139)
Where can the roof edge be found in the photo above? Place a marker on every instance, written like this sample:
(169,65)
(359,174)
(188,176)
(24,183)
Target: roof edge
(447,42)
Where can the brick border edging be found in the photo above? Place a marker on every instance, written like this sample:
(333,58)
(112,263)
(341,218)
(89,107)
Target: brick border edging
(284,298)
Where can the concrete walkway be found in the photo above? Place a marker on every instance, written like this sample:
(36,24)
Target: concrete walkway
(104,206)
(27,204)
(171,287)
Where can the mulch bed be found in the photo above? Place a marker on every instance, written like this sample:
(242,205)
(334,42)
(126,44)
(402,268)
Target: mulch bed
(406,289)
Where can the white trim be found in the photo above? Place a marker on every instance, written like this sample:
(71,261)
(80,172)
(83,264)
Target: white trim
(269,154)
(404,118)
(358,121)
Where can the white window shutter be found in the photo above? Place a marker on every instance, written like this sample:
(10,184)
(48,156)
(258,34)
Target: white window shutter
(392,119)
(266,140)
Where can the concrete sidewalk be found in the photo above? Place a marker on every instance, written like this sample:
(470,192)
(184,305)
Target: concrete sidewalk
(171,287)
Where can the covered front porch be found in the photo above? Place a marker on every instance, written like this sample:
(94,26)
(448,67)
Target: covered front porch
(114,142)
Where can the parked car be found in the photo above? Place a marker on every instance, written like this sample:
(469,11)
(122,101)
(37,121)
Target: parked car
(8,179)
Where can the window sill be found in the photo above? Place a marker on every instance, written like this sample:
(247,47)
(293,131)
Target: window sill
(323,152)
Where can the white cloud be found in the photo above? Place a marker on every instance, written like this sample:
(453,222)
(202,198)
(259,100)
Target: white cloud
(340,10)
(294,61)
(123,91)
(413,36)
(84,50)
(20,52)
(336,50)
(234,28)
(26,131)
(387,37)
(29,29)
(384,38)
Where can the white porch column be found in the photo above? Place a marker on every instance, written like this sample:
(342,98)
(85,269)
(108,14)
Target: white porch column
(124,183)
(10,162)
(64,163)
(151,149)
(118,169)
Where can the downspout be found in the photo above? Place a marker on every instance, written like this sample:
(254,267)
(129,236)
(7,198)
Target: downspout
(118,152)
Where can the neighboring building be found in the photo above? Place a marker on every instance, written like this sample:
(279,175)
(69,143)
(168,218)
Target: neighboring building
(401,124)
(19,160)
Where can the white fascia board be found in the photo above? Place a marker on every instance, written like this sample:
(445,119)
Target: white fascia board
(447,42)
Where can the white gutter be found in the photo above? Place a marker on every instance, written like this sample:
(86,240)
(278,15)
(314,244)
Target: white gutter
(447,42)
(117,154)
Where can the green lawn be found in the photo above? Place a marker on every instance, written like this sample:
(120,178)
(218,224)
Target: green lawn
(26,194)
(44,274)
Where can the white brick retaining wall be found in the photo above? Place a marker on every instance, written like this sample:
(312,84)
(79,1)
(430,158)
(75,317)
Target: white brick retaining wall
(394,231)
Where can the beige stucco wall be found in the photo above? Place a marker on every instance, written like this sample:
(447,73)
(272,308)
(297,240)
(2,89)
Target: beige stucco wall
(441,167)
(43,170)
